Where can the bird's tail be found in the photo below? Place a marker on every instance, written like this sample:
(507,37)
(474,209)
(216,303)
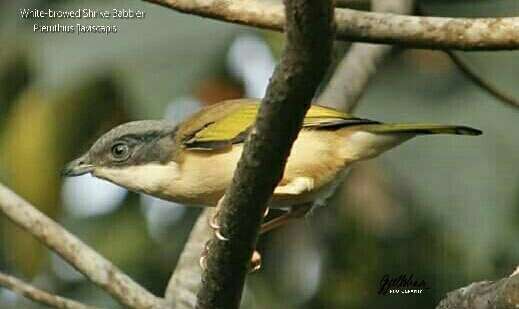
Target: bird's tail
(413,128)
(370,140)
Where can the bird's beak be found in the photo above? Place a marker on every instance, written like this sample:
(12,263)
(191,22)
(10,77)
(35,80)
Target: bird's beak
(78,167)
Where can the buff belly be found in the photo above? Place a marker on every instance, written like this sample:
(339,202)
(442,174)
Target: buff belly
(203,177)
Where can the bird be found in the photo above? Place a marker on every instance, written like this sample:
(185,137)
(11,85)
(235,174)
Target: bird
(193,162)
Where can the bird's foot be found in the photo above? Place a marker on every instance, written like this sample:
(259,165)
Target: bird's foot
(294,213)
(203,257)
(255,263)
(215,224)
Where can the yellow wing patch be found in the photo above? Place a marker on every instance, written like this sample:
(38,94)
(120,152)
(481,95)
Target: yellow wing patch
(319,115)
(228,127)
(233,127)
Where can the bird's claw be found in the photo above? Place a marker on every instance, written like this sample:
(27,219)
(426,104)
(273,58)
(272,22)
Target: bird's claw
(203,262)
(255,262)
(213,221)
(266,213)
(203,257)
(215,226)
(219,235)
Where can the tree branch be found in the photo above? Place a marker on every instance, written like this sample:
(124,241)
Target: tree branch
(289,94)
(86,260)
(38,295)
(360,63)
(370,27)
(501,294)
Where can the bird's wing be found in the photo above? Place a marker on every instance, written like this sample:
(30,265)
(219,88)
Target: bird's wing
(320,117)
(223,124)
(220,125)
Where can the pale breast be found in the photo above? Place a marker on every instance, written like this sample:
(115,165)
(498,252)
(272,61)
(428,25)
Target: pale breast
(204,176)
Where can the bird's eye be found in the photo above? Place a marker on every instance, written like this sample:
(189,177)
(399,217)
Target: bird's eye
(120,151)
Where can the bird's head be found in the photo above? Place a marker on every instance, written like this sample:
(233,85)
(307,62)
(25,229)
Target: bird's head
(137,155)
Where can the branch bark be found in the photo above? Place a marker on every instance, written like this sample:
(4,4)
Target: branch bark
(289,94)
(40,296)
(86,260)
(370,27)
(501,294)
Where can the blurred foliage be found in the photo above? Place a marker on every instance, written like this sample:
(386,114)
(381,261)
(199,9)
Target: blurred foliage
(15,76)
(40,135)
(444,209)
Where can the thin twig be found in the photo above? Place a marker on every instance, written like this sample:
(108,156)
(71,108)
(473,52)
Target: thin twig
(86,260)
(40,296)
(369,27)
(303,64)
(486,85)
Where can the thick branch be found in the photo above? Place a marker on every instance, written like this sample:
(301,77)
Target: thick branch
(95,267)
(370,27)
(501,294)
(289,94)
(38,295)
